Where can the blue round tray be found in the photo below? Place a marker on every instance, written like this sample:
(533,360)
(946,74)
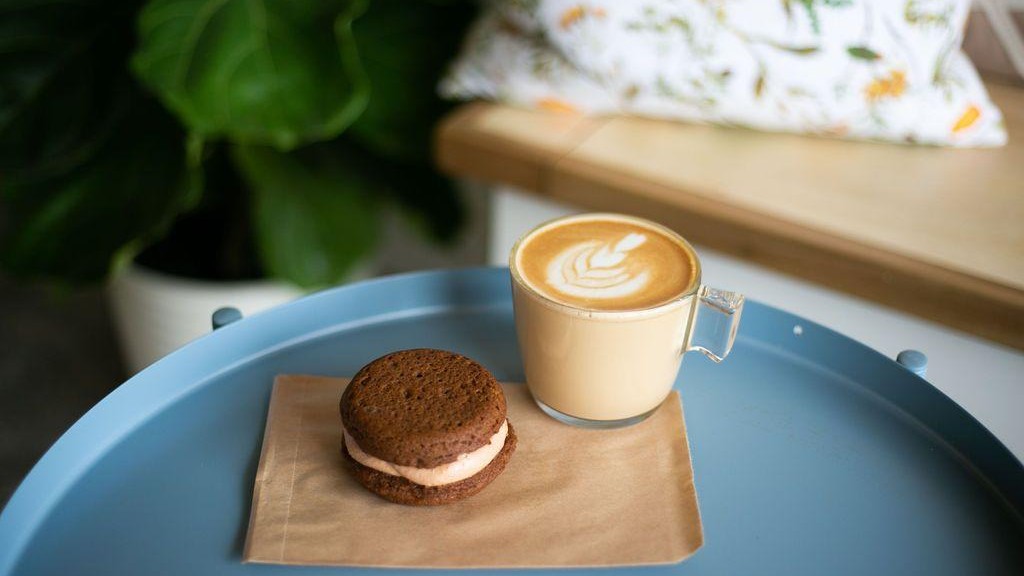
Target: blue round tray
(812,453)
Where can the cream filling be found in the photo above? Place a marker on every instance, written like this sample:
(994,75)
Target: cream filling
(465,466)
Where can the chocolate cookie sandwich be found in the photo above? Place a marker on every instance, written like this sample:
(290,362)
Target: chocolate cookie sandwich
(425,427)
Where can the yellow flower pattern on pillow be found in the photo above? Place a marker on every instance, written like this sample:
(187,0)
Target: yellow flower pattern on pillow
(866,69)
(890,86)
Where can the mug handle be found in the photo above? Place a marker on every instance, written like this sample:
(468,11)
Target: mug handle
(713,324)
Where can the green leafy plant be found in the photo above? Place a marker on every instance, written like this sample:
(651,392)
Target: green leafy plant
(218,138)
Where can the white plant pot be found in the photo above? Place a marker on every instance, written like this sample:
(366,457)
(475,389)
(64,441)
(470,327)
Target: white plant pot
(156,313)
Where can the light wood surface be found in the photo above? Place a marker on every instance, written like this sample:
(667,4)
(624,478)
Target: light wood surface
(936,232)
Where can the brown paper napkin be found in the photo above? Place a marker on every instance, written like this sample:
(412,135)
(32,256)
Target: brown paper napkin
(569,497)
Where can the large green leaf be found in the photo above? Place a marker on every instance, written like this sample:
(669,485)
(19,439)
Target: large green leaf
(70,225)
(89,167)
(316,214)
(62,82)
(404,46)
(275,72)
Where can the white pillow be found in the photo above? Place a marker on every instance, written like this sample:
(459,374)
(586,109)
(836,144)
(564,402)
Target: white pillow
(871,69)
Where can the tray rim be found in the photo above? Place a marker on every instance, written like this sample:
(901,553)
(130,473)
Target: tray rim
(153,389)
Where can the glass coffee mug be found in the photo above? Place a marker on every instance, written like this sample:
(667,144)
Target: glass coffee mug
(605,307)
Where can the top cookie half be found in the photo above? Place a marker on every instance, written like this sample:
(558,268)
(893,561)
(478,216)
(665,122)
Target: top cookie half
(422,407)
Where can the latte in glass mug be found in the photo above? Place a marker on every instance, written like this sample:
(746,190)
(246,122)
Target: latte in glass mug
(606,305)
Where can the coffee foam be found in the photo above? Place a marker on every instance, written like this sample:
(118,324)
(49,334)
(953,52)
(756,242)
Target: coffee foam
(605,263)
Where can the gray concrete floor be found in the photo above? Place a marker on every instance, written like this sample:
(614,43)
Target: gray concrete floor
(58,357)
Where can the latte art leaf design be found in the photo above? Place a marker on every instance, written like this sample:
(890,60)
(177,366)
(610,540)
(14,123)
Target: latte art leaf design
(596,269)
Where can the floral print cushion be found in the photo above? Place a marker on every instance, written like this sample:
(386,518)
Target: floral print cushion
(870,69)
